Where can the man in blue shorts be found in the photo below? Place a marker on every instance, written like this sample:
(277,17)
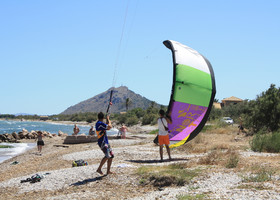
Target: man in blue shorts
(101,128)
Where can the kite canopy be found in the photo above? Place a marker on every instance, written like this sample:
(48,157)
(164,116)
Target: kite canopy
(193,93)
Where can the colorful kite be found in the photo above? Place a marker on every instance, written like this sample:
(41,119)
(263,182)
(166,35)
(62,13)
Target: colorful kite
(193,93)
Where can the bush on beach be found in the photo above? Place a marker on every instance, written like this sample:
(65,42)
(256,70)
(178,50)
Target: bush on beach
(266,142)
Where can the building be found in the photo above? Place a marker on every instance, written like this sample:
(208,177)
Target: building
(217,105)
(44,118)
(230,101)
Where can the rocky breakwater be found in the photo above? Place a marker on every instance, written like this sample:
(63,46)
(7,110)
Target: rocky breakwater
(24,134)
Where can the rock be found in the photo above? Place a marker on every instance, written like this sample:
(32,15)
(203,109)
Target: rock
(60,133)
(30,136)
(45,133)
(9,137)
(15,135)
(24,130)
(3,137)
(34,133)
(23,134)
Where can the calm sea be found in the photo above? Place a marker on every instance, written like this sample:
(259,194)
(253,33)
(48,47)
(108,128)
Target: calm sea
(8,126)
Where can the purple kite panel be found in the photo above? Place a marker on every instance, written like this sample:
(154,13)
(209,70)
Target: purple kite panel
(185,118)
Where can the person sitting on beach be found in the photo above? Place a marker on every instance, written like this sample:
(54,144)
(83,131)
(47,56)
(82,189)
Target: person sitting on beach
(103,142)
(91,131)
(163,137)
(40,142)
(76,130)
(123,130)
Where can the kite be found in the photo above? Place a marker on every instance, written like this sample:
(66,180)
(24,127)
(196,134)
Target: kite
(192,94)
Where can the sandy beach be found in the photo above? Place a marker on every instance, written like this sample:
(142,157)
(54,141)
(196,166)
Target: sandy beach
(214,180)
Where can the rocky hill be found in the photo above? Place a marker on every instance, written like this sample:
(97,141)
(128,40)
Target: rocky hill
(99,102)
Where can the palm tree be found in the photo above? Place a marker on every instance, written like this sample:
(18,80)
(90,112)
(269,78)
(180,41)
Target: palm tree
(127,103)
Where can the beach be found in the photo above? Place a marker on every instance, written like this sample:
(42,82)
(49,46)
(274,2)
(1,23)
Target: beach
(212,180)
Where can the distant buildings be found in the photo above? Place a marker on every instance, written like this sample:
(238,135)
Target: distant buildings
(227,101)
(44,118)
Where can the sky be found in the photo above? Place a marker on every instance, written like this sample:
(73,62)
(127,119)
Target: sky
(55,54)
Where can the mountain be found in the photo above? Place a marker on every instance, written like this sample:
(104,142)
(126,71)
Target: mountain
(99,103)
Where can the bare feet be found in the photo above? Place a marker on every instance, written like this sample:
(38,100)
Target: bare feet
(99,171)
(110,173)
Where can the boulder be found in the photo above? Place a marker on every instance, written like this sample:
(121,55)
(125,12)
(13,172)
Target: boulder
(9,137)
(34,133)
(15,135)
(60,133)
(3,138)
(30,136)
(45,133)
(23,134)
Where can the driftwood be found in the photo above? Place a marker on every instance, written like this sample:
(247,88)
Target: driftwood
(60,145)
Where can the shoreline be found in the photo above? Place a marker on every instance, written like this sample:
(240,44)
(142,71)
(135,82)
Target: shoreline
(212,181)
(17,149)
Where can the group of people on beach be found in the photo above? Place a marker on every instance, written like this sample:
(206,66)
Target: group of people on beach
(101,129)
(122,131)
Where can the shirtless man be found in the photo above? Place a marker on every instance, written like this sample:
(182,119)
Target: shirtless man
(76,130)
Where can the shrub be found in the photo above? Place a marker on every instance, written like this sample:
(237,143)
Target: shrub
(211,159)
(149,119)
(215,113)
(262,175)
(160,176)
(266,142)
(233,160)
(132,120)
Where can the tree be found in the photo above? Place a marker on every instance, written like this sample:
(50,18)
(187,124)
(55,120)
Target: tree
(127,103)
(264,112)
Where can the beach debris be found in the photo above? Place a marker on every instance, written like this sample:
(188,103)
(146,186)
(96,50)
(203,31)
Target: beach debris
(35,178)
(15,163)
(78,163)
(60,145)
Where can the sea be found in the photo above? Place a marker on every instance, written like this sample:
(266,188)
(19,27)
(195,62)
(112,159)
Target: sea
(10,126)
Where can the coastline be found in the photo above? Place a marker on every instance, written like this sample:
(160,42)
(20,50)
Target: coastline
(17,149)
(62,181)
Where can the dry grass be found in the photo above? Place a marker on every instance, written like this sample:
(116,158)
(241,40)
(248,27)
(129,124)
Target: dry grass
(161,176)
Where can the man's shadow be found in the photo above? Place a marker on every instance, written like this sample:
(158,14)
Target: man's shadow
(157,161)
(98,178)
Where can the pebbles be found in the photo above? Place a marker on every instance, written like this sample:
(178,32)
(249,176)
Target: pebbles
(130,154)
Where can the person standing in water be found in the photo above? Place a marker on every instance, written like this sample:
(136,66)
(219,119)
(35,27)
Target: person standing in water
(123,130)
(103,143)
(163,137)
(76,130)
(40,142)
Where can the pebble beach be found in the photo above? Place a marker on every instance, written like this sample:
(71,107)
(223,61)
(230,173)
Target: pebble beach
(62,181)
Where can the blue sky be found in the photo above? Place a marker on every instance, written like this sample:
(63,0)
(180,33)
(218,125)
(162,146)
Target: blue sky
(55,54)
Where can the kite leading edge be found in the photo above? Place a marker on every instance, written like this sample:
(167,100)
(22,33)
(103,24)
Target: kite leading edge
(192,95)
